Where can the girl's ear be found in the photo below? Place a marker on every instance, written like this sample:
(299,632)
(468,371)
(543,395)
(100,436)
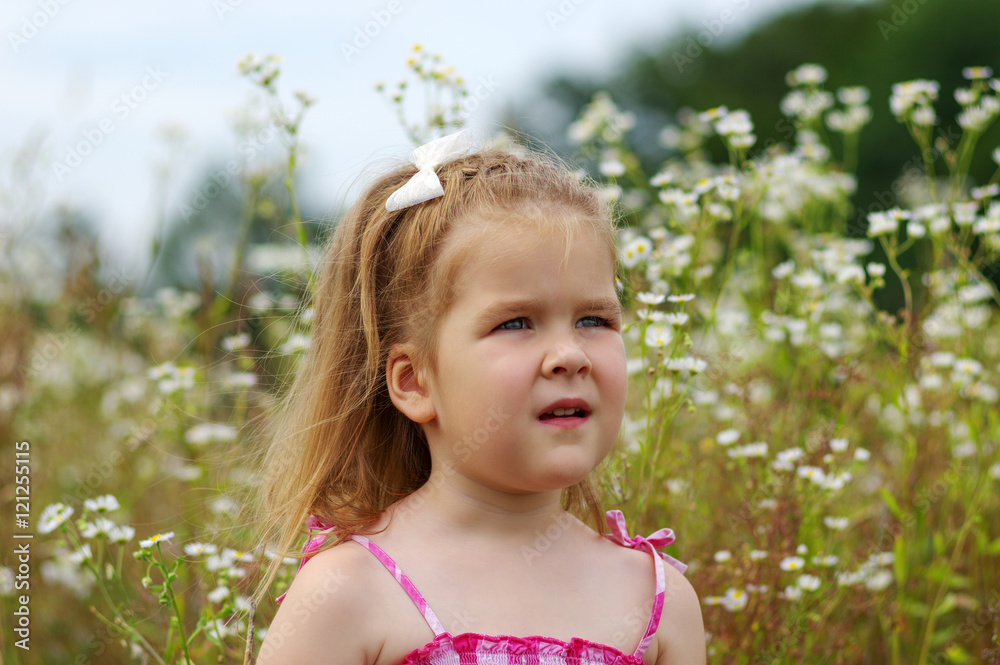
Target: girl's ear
(406,388)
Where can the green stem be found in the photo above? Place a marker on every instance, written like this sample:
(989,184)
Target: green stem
(971,269)
(118,571)
(972,514)
(222,648)
(966,146)
(907,293)
(167,584)
(650,379)
(755,226)
(89,565)
(894,645)
(293,199)
(651,461)
(224,300)
(731,256)
(851,152)
(135,634)
(635,174)
(793,386)
(923,141)
(291,128)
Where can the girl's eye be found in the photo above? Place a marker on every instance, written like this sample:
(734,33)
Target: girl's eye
(519,323)
(593,322)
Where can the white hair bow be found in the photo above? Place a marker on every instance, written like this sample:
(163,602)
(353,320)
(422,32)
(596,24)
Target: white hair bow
(425,184)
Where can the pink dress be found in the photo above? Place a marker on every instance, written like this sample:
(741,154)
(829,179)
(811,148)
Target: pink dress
(477,649)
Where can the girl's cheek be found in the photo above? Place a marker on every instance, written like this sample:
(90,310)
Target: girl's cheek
(616,357)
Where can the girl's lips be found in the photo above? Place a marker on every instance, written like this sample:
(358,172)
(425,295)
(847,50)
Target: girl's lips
(565,422)
(579,413)
(570,403)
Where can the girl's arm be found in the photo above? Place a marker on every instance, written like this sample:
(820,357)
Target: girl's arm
(326,617)
(681,626)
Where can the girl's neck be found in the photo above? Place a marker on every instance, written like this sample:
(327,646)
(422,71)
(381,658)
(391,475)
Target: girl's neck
(455,506)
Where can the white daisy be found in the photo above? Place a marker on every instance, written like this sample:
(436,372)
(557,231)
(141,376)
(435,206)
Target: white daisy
(967,366)
(727,437)
(783,269)
(650,298)
(687,363)
(612,168)
(808,582)
(758,449)
(658,335)
(812,473)
(882,558)
(635,251)
(81,555)
(836,523)
(53,516)
(236,342)
(237,555)
(676,319)
(204,433)
(101,526)
(102,504)
(876,269)
(121,534)
(218,594)
(734,600)
(878,580)
(160,537)
(194,549)
(791,563)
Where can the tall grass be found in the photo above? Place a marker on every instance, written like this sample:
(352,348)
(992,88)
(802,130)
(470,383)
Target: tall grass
(831,469)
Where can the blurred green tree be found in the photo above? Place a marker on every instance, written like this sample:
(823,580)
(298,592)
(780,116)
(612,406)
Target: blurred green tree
(872,44)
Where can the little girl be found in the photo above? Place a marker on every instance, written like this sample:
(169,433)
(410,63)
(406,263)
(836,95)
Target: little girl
(466,375)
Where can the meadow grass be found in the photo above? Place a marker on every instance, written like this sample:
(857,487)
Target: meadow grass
(831,469)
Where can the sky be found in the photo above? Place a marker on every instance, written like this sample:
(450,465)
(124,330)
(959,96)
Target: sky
(92,89)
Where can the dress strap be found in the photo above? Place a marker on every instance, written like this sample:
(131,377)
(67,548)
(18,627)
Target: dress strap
(660,538)
(314,542)
(404,582)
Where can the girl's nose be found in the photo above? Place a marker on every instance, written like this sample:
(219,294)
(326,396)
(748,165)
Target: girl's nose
(566,357)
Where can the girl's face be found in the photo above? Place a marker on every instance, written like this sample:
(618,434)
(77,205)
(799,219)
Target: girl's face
(529,388)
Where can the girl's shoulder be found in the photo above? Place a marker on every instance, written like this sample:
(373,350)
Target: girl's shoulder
(330,608)
(340,567)
(681,633)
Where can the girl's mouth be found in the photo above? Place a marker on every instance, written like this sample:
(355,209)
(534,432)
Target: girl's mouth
(563,413)
(564,417)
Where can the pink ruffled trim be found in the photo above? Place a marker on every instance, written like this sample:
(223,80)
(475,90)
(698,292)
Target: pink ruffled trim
(518,649)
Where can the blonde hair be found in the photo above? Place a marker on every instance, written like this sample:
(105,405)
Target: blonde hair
(340,449)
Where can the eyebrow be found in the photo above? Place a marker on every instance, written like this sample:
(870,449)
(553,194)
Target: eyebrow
(608,307)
